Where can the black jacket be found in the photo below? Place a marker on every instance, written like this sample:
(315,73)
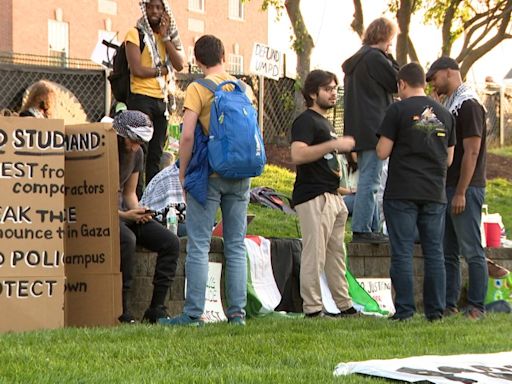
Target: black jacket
(370,81)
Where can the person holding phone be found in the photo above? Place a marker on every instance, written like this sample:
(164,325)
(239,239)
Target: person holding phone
(136,223)
(40,101)
(151,75)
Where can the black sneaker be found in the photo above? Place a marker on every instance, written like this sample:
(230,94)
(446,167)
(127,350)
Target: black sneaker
(319,315)
(152,314)
(126,318)
(397,317)
(348,312)
(369,238)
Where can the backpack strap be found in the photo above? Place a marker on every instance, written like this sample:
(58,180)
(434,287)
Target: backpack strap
(142,44)
(208,84)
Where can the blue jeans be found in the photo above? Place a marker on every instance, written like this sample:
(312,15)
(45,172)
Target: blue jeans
(365,204)
(402,218)
(349,202)
(233,197)
(462,237)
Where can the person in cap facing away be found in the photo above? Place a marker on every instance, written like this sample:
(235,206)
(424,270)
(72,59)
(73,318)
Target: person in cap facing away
(465,188)
(136,225)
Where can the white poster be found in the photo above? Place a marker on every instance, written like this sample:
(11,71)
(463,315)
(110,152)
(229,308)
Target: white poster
(266,61)
(494,368)
(380,290)
(213,310)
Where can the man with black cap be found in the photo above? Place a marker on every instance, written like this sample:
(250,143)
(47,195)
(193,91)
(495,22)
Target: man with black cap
(465,188)
(136,224)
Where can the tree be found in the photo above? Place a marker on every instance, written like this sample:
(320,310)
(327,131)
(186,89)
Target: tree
(302,42)
(483,24)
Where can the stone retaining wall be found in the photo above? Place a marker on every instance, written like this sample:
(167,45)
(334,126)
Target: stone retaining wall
(365,260)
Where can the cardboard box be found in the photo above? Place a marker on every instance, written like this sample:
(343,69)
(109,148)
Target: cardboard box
(92,185)
(93,299)
(31,303)
(32,213)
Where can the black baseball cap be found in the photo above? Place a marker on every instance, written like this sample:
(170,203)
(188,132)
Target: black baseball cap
(443,62)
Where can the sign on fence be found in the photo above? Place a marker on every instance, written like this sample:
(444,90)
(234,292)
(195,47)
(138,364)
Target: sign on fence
(266,61)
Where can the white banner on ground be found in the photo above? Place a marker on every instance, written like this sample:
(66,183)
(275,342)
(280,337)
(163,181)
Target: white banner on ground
(380,290)
(213,311)
(494,368)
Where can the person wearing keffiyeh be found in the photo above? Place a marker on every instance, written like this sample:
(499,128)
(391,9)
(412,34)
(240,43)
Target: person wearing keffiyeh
(465,188)
(151,74)
(136,224)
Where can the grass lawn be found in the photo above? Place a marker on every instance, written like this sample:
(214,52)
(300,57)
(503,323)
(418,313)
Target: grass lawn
(267,350)
(503,151)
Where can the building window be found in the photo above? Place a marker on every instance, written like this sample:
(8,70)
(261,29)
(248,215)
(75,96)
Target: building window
(235,64)
(58,42)
(236,9)
(196,5)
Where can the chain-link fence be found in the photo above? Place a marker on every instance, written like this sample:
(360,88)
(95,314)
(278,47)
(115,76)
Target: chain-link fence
(497,101)
(81,91)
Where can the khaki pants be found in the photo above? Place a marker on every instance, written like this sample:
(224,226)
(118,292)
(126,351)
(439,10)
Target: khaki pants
(322,222)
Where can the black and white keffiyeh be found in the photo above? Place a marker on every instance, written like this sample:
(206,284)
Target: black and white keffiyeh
(462,93)
(166,85)
(134,125)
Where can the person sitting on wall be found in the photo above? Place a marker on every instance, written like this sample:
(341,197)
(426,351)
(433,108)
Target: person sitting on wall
(136,224)
(40,102)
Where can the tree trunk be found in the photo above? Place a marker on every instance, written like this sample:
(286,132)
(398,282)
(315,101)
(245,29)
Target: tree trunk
(303,45)
(403,16)
(358,22)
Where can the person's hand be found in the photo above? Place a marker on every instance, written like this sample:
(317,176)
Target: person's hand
(344,144)
(164,25)
(458,204)
(435,96)
(138,215)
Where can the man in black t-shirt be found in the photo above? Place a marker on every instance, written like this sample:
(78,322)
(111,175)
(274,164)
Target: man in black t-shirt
(417,134)
(321,210)
(465,188)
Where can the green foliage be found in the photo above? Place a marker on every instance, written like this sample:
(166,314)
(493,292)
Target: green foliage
(503,151)
(267,350)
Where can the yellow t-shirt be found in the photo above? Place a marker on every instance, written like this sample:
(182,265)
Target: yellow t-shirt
(198,98)
(146,86)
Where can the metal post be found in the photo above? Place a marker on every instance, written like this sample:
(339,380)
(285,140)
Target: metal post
(502,115)
(261,108)
(108,93)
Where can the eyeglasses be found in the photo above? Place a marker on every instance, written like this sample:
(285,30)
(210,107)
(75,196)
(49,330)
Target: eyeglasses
(330,89)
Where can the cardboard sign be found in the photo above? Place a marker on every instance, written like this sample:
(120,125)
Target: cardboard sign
(266,61)
(92,260)
(93,299)
(92,184)
(32,223)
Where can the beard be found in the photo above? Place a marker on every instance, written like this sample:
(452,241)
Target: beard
(327,104)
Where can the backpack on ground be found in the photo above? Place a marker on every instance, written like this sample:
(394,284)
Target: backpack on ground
(235,145)
(272,199)
(120,77)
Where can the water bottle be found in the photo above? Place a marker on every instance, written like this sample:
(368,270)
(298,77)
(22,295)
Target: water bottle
(172,220)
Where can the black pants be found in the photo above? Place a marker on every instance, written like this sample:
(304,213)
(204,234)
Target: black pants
(156,238)
(155,109)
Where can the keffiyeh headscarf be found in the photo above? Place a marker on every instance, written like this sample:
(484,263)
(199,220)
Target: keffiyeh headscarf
(134,125)
(461,94)
(150,41)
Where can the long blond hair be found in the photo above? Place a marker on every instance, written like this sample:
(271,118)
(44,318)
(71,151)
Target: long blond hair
(42,97)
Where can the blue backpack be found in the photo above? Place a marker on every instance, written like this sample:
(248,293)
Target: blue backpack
(235,145)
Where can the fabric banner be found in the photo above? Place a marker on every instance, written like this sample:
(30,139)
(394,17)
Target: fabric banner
(495,368)
(263,295)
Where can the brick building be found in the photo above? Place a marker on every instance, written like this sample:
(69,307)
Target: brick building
(71,28)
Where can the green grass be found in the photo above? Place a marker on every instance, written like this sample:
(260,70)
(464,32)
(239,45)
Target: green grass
(503,151)
(267,350)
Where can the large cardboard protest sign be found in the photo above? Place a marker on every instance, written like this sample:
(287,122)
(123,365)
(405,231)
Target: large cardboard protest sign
(93,294)
(32,223)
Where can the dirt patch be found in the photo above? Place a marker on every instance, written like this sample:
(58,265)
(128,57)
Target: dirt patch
(497,166)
